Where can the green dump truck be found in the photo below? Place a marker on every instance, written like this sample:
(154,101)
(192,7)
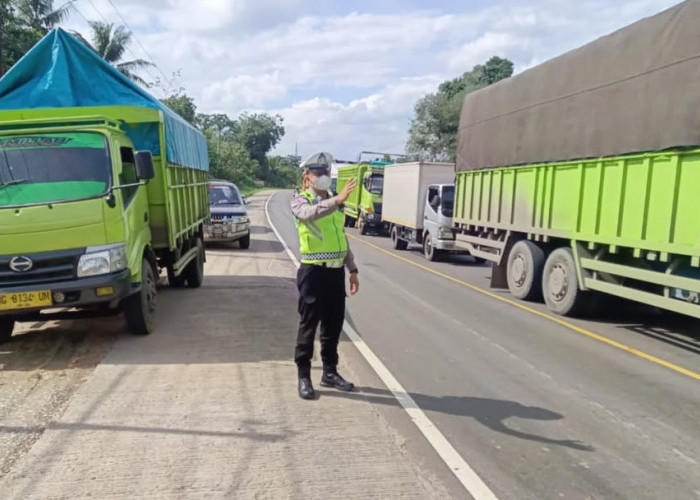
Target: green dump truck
(364,206)
(580,177)
(101,187)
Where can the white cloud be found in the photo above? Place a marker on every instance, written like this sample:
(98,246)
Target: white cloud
(347,80)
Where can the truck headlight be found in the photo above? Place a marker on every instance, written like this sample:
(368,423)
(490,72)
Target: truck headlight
(102,260)
(240,220)
(445,233)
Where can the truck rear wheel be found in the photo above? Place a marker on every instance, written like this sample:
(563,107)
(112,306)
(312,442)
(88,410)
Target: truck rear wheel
(560,285)
(397,242)
(140,307)
(7,325)
(429,251)
(525,264)
(175,281)
(194,272)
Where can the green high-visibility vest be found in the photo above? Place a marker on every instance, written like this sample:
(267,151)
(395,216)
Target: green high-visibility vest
(322,240)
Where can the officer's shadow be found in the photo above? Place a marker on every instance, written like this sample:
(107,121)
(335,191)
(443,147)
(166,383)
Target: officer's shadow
(491,413)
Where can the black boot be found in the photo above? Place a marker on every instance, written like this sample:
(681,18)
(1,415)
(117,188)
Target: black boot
(306,389)
(331,378)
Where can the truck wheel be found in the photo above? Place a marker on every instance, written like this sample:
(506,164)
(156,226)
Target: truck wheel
(175,281)
(525,263)
(429,251)
(7,324)
(349,221)
(560,285)
(244,242)
(140,307)
(396,242)
(363,226)
(194,272)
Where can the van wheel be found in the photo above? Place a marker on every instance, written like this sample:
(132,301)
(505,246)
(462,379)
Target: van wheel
(524,269)
(560,285)
(429,251)
(194,272)
(244,242)
(7,325)
(396,242)
(140,307)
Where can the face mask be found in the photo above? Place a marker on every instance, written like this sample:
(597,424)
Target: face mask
(322,183)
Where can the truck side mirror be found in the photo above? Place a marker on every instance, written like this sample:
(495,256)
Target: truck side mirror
(144,165)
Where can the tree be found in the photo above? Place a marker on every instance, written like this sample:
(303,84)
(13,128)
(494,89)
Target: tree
(111,43)
(231,161)
(15,38)
(183,105)
(434,127)
(40,15)
(259,133)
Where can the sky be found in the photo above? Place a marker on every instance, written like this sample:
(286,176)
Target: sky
(344,76)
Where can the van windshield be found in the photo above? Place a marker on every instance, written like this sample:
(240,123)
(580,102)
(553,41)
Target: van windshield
(53,167)
(221,194)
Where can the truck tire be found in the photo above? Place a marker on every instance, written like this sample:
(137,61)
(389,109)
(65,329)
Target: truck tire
(7,324)
(244,242)
(429,251)
(140,308)
(175,281)
(524,270)
(396,242)
(194,272)
(363,226)
(349,221)
(560,285)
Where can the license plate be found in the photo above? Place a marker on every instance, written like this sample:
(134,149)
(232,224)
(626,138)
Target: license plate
(25,300)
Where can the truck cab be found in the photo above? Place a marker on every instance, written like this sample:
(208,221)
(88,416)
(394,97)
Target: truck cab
(437,236)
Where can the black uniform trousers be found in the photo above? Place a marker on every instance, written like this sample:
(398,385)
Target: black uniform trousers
(321,301)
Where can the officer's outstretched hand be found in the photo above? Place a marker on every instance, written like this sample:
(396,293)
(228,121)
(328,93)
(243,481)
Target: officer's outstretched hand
(345,192)
(354,284)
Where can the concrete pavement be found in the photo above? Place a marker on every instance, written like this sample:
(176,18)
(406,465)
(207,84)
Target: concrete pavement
(206,407)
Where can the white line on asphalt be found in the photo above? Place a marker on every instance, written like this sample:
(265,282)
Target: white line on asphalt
(459,467)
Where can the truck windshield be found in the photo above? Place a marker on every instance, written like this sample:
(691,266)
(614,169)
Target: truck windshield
(447,201)
(376,184)
(223,195)
(53,167)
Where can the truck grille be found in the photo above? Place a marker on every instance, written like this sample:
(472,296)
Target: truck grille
(46,267)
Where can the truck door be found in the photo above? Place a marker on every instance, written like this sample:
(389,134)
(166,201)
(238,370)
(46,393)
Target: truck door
(431,217)
(133,199)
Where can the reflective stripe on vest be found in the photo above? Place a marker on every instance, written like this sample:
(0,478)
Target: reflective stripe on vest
(322,240)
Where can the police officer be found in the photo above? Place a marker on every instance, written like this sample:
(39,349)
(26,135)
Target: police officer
(325,254)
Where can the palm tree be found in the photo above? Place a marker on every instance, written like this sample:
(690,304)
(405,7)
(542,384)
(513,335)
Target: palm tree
(41,15)
(111,43)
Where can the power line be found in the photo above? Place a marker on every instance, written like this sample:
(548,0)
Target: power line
(139,42)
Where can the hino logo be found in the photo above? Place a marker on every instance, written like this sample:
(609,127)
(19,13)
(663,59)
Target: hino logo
(21,264)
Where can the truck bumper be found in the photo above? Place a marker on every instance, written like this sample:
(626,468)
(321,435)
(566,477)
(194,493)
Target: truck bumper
(375,221)
(78,293)
(447,246)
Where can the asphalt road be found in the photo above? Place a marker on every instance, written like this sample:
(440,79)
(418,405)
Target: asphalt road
(538,409)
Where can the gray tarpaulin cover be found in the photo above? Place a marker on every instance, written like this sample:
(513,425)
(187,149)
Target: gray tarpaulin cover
(635,90)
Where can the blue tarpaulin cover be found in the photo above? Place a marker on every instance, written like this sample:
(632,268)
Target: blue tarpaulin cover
(60,71)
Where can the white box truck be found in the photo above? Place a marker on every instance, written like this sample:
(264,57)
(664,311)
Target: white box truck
(418,204)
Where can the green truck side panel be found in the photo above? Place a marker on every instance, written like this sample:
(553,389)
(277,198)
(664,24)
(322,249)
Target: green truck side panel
(647,202)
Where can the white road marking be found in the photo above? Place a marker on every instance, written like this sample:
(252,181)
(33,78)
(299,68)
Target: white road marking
(471,481)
